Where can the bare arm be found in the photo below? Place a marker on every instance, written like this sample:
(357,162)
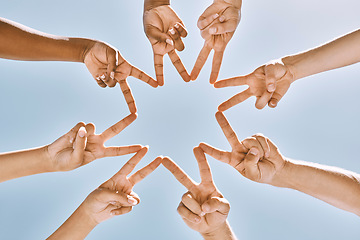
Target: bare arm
(19,42)
(23,163)
(76,227)
(335,54)
(258,159)
(336,186)
(270,82)
(80,146)
(113,198)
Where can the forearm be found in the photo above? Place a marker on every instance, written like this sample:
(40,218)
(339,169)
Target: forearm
(23,163)
(338,187)
(224,233)
(150,4)
(76,227)
(19,42)
(338,53)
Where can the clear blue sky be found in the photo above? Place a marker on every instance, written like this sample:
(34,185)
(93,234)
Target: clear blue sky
(316,121)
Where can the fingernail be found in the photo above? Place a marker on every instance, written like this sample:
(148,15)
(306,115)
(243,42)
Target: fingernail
(82,132)
(271,87)
(215,16)
(176,25)
(112,75)
(272,104)
(222,18)
(197,219)
(172,31)
(102,77)
(202,213)
(212,30)
(169,41)
(253,152)
(98,78)
(132,200)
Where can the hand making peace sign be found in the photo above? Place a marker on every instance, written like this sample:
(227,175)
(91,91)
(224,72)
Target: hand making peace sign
(203,208)
(164,30)
(256,158)
(217,25)
(108,67)
(81,145)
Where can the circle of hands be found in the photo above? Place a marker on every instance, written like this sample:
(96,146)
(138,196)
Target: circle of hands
(203,208)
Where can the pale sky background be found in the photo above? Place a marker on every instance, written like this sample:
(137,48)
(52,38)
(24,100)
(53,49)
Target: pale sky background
(316,121)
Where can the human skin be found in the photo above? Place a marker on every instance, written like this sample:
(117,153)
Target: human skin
(76,148)
(103,61)
(258,159)
(217,26)
(270,82)
(203,208)
(114,197)
(165,30)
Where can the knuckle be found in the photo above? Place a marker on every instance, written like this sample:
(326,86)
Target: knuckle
(126,91)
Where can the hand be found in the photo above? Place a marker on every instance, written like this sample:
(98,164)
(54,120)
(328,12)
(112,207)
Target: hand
(268,84)
(107,67)
(256,158)
(81,145)
(164,30)
(217,26)
(115,196)
(203,208)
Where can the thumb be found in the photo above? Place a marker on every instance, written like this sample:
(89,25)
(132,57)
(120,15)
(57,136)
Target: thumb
(79,145)
(251,165)
(156,34)
(216,204)
(270,79)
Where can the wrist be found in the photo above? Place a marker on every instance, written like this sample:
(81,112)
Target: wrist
(46,161)
(82,46)
(294,63)
(283,177)
(150,4)
(86,216)
(222,232)
(77,226)
(235,3)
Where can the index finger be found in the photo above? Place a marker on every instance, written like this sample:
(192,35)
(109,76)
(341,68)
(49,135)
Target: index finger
(145,171)
(200,61)
(178,173)
(234,100)
(229,132)
(159,68)
(204,168)
(131,164)
(129,98)
(232,82)
(118,127)
(137,73)
(216,64)
(175,59)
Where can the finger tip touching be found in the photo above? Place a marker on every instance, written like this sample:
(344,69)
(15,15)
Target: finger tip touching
(219,114)
(202,145)
(194,74)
